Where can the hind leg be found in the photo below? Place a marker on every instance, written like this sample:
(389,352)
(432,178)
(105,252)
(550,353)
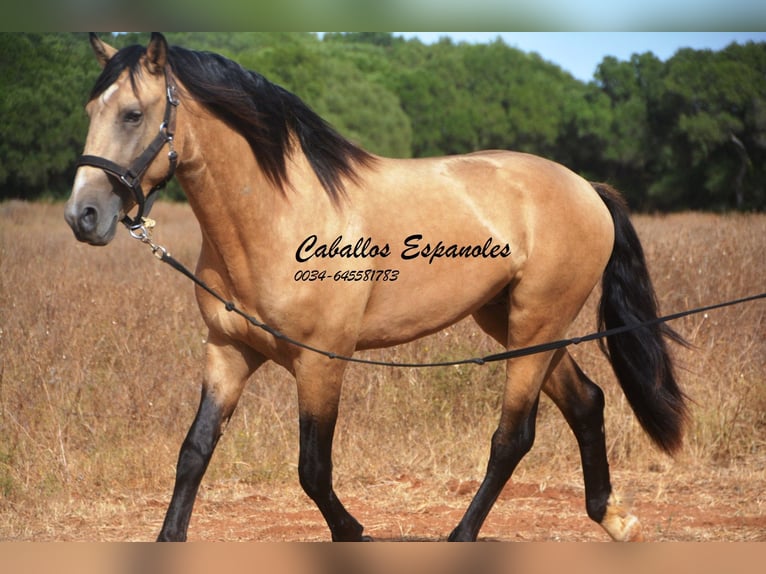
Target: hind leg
(510,442)
(515,433)
(582,403)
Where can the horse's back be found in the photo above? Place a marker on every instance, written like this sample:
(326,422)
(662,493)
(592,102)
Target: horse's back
(557,231)
(523,199)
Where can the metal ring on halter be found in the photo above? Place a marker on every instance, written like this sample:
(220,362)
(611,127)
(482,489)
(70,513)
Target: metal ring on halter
(140,232)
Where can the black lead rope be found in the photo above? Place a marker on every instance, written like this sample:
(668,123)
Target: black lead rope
(230,306)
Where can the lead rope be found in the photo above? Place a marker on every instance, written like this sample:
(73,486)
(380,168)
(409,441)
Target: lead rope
(143,234)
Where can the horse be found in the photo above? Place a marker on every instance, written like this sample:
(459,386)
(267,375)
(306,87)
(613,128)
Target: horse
(345,250)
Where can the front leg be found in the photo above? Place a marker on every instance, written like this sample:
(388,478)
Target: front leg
(193,459)
(228,367)
(315,472)
(318,397)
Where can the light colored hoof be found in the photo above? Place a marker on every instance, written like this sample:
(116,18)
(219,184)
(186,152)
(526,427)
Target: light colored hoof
(620,524)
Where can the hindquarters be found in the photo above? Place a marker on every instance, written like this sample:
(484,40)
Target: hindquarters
(580,243)
(569,242)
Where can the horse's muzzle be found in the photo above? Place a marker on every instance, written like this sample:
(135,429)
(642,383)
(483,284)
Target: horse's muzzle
(90,224)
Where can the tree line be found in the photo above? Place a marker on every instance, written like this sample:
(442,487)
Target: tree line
(686,133)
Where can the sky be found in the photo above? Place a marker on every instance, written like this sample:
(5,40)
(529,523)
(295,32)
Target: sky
(580,52)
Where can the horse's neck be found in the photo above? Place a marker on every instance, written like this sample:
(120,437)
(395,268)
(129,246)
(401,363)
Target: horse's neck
(225,187)
(240,211)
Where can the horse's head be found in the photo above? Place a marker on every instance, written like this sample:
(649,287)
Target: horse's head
(132,113)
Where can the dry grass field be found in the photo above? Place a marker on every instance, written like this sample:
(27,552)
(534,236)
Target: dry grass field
(100,368)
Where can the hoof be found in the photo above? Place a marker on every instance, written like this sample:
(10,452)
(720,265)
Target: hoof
(355,537)
(459,535)
(624,528)
(620,524)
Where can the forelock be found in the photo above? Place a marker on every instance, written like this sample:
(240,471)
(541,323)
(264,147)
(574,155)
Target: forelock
(128,58)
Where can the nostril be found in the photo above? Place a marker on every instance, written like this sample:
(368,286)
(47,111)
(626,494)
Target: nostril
(88,219)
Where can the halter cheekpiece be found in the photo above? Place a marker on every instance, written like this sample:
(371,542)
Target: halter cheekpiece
(131,176)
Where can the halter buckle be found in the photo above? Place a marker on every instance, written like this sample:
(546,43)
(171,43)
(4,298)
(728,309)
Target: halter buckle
(171,94)
(129,180)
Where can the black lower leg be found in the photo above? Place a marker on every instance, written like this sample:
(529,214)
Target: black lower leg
(588,428)
(508,448)
(315,472)
(581,402)
(193,459)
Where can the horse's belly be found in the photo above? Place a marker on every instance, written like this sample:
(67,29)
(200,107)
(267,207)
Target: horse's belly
(424,300)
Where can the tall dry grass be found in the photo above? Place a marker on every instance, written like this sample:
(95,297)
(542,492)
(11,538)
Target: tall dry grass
(101,358)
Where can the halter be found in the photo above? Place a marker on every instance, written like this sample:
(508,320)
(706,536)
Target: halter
(131,176)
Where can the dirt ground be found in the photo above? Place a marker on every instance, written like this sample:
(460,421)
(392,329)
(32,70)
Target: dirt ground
(80,458)
(721,506)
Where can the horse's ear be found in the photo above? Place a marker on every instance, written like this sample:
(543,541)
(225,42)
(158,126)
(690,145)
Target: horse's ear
(103,51)
(157,53)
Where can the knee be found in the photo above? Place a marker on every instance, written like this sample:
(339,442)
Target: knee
(509,447)
(194,458)
(202,438)
(518,443)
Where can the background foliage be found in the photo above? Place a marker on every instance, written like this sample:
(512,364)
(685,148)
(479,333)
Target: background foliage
(687,133)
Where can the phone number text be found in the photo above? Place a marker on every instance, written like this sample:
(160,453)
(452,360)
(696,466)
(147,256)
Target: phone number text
(347,275)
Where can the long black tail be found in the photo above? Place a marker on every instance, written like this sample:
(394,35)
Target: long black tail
(639,357)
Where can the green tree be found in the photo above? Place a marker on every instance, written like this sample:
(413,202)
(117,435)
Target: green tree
(432,85)
(627,149)
(518,99)
(686,133)
(716,103)
(341,83)
(43,86)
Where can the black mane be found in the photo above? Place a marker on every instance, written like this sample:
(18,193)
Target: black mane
(266,114)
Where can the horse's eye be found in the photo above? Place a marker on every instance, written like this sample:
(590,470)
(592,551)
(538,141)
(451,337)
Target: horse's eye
(132,117)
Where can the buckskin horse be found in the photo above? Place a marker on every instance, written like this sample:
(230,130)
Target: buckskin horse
(397,249)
